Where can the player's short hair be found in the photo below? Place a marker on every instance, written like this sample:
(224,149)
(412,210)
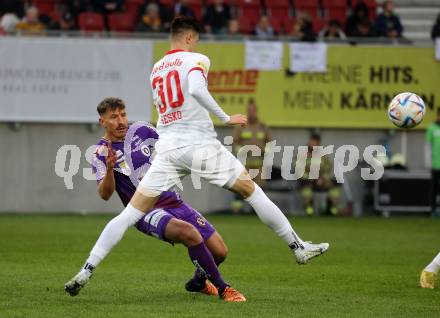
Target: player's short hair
(110,103)
(183,24)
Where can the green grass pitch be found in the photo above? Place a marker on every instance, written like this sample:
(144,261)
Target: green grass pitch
(371,270)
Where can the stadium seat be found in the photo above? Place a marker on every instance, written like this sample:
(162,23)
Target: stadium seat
(278,9)
(121,22)
(335,10)
(133,6)
(247,25)
(288,25)
(45,7)
(251,9)
(307,6)
(90,21)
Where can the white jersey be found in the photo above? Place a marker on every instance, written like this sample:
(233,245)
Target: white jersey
(182,119)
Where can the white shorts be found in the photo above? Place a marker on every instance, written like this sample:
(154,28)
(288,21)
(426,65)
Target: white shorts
(212,162)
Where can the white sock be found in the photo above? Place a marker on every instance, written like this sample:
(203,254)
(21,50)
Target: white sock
(272,216)
(113,233)
(434,266)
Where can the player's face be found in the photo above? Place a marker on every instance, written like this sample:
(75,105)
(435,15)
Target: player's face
(115,123)
(192,39)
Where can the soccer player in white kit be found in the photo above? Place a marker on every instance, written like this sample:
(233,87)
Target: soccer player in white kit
(428,277)
(188,145)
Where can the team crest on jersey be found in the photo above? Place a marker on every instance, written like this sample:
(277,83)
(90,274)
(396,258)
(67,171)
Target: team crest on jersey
(201,221)
(146,150)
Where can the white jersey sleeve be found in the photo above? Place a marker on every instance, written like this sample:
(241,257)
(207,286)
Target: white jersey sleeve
(182,100)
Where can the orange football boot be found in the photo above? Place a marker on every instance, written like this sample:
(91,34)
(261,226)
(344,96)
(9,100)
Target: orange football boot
(232,295)
(209,289)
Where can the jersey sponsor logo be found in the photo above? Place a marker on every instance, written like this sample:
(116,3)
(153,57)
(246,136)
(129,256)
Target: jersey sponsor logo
(233,81)
(165,65)
(170,117)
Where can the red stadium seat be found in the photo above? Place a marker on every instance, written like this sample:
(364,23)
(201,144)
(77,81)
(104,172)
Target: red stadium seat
(307,6)
(335,10)
(288,25)
(133,6)
(247,25)
(90,21)
(121,22)
(278,9)
(44,6)
(251,9)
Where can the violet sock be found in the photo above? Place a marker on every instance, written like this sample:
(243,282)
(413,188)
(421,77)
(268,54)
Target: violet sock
(199,277)
(205,264)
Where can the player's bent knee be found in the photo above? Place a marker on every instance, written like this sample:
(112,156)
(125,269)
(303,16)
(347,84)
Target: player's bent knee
(244,187)
(221,254)
(188,234)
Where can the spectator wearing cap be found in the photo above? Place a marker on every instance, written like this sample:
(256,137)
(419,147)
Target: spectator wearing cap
(66,23)
(216,17)
(303,28)
(181,8)
(263,29)
(332,31)
(31,23)
(388,23)
(435,32)
(150,20)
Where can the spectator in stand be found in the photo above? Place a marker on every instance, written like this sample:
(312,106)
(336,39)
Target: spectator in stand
(332,31)
(303,28)
(182,8)
(216,17)
(75,7)
(364,28)
(435,32)
(8,22)
(358,20)
(66,23)
(150,21)
(234,27)
(388,23)
(12,6)
(30,23)
(263,29)
(108,6)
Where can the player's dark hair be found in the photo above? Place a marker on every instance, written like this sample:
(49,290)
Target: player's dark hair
(183,24)
(110,103)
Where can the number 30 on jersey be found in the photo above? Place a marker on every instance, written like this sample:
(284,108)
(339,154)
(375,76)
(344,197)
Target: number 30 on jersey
(168,91)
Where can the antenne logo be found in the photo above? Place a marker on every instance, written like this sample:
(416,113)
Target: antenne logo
(233,81)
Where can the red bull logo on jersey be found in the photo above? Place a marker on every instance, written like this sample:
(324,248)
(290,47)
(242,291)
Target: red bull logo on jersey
(164,65)
(233,81)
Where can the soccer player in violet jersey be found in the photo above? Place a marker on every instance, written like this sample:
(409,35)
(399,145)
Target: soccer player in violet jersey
(188,145)
(121,159)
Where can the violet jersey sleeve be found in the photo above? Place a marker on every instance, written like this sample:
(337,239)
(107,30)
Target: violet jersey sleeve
(99,165)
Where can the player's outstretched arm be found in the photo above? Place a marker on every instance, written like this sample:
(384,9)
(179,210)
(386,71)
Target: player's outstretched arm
(198,89)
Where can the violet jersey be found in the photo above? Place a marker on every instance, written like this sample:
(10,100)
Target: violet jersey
(134,157)
(182,119)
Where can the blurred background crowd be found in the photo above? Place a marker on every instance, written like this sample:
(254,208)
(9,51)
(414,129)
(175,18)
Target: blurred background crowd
(307,20)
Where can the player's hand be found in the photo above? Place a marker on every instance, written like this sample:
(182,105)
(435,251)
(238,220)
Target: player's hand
(238,119)
(111,157)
